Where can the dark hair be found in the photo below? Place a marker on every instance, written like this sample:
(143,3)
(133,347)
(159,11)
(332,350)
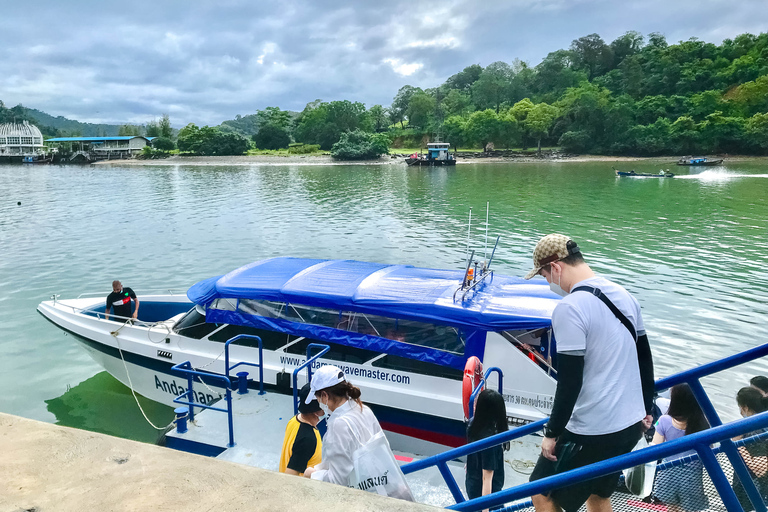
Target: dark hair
(490,414)
(345,390)
(684,407)
(752,399)
(760,383)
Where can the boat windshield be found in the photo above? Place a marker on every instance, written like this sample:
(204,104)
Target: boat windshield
(441,337)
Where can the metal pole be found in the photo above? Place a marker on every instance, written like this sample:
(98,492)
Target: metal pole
(190,397)
(485,251)
(722,484)
(739,467)
(469,227)
(229,418)
(450,481)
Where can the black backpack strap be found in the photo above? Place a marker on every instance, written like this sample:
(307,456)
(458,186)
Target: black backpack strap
(600,295)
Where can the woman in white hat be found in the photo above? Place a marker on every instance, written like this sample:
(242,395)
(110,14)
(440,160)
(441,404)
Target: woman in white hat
(350,424)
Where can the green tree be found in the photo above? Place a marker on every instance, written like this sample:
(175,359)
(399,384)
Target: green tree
(323,123)
(128,130)
(163,144)
(166,130)
(272,136)
(493,86)
(457,103)
(400,104)
(483,127)
(539,121)
(464,79)
(379,118)
(421,109)
(757,129)
(360,145)
(592,54)
(454,129)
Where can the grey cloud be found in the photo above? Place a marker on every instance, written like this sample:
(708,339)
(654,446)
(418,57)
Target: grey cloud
(206,62)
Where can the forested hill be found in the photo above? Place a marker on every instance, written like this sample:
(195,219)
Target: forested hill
(66,126)
(55,126)
(635,95)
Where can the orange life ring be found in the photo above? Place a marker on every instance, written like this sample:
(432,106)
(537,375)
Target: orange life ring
(473,373)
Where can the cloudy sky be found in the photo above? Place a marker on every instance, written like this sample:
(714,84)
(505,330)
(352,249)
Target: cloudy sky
(205,62)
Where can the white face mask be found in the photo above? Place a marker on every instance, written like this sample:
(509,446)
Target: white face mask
(324,407)
(555,287)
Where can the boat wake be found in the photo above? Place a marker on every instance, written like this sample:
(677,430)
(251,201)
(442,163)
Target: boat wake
(717,176)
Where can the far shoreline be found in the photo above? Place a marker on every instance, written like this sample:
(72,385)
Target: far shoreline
(301,160)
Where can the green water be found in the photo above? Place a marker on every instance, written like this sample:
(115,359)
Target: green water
(693,249)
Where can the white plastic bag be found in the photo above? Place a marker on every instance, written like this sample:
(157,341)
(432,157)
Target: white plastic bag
(639,479)
(376,470)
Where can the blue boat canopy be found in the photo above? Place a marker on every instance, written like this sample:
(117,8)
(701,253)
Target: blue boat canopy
(396,291)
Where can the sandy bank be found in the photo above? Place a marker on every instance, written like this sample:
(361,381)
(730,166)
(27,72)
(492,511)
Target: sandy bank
(47,467)
(250,160)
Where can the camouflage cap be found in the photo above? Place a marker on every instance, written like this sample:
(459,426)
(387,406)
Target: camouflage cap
(550,248)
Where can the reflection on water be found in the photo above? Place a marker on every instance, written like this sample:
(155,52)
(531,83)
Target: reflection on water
(693,250)
(102,404)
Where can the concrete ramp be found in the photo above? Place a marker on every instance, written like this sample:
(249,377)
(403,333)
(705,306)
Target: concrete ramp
(47,467)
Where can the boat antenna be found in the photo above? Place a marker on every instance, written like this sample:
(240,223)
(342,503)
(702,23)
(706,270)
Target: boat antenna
(469,227)
(487,209)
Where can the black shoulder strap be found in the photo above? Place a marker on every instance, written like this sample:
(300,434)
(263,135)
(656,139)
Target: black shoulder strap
(623,319)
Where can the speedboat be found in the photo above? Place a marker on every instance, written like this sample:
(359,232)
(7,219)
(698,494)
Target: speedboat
(404,335)
(694,161)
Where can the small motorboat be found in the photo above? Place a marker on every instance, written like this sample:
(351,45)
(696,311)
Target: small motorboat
(437,154)
(633,174)
(698,161)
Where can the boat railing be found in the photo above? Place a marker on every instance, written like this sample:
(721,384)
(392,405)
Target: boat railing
(259,365)
(481,385)
(192,374)
(167,291)
(308,365)
(700,442)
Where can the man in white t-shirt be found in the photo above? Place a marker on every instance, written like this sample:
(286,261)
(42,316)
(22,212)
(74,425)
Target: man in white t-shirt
(605,385)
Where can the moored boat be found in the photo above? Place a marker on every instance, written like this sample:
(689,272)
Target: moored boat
(437,154)
(689,160)
(402,334)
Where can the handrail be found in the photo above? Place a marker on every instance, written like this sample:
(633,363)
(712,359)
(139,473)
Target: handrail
(691,377)
(171,291)
(699,441)
(308,365)
(260,365)
(191,373)
(480,386)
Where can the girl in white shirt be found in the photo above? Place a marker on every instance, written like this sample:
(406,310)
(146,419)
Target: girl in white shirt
(350,424)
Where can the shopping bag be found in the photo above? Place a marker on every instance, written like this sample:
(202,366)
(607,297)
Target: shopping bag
(639,479)
(376,470)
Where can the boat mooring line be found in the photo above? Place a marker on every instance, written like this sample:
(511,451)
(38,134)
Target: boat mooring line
(130,383)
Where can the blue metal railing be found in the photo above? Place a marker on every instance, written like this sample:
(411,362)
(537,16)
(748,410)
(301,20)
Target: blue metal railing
(191,373)
(481,385)
(260,365)
(699,441)
(690,377)
(308,365)
(187,369)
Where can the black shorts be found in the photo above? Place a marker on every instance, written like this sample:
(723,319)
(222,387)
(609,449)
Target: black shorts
(589,449)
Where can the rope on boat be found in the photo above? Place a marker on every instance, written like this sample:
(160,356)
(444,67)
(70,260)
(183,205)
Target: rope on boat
(130,383)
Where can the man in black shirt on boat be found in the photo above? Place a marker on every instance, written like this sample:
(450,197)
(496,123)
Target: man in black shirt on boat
(120,301)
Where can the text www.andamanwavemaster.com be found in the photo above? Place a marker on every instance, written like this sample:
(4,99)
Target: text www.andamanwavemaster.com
(352,371)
